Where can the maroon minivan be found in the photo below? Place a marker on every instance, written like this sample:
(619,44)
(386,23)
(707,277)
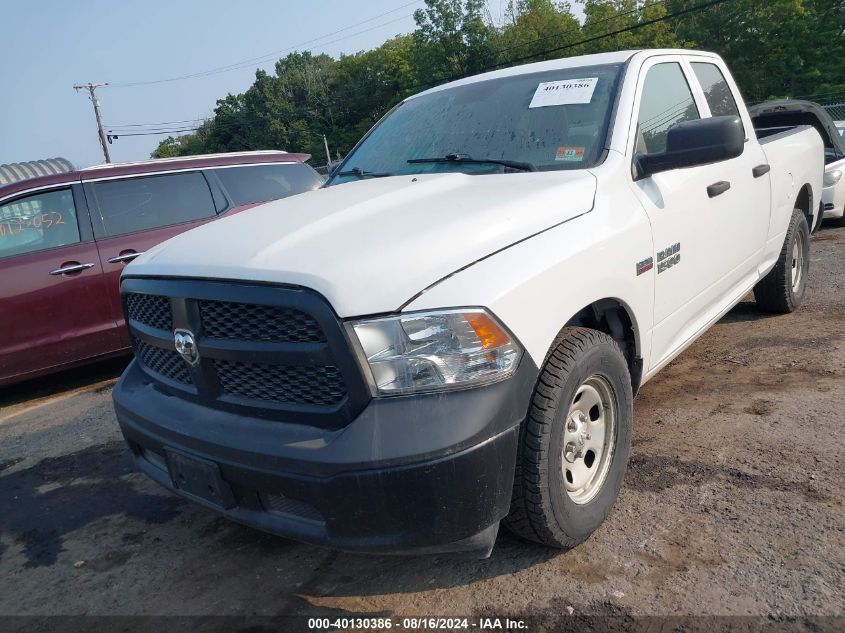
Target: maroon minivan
(65,239)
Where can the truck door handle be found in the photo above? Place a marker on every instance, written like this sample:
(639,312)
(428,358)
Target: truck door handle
(760,170)
(718,188)
(70,268)
(125,257)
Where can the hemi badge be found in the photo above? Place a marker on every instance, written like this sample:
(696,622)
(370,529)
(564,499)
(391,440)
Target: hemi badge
(645,266)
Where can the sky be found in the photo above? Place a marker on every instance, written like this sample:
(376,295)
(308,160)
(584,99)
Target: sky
(50,45)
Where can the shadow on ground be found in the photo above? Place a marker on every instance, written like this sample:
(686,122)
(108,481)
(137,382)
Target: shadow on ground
(59,495)
(61,382)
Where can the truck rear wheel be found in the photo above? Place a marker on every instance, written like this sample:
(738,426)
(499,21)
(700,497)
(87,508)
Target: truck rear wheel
(575,441)
(783,289)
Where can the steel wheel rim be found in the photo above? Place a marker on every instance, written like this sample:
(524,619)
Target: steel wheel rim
(588,439)
(797,262)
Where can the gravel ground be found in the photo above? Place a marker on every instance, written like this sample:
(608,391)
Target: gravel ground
(732,505)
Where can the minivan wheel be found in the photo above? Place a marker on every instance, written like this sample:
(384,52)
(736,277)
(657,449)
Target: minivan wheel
(782,290)
(575,441)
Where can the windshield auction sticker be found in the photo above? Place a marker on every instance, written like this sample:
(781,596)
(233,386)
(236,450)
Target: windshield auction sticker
(564,92)
(570,154)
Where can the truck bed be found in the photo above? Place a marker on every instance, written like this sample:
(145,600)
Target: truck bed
(796,155)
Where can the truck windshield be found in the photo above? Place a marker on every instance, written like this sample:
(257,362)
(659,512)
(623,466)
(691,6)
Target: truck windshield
(555,119)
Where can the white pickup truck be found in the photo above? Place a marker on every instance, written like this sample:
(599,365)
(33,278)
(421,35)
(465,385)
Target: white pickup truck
(449,335)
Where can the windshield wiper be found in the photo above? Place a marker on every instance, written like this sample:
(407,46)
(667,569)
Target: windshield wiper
(465,158)
(361,173)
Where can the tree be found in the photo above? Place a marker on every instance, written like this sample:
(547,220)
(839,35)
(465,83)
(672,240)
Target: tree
(610,16)
(776,48)
(453,39)
(185,145)
(536,26)
(367,85)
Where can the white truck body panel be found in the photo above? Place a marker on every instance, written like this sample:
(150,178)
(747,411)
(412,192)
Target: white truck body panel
(370,246)
(537,247)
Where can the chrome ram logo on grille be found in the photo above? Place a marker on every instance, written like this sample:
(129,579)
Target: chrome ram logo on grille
(186,346)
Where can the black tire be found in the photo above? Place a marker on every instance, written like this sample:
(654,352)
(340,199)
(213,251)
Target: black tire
(541,508)
(776,292)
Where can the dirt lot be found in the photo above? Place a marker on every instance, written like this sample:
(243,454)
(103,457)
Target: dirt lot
(733,503)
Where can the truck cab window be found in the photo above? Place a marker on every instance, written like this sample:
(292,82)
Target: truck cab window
(37,222)
(666,101)
(716,90)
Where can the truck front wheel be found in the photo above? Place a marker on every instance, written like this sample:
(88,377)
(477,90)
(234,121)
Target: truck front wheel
(782,290)
(574,442)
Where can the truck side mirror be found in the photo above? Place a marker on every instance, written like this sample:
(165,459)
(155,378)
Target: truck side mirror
(697,142)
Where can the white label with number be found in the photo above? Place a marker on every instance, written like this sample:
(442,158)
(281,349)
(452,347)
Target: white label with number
(564,92)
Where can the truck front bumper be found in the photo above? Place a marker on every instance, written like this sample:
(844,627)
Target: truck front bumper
(411,474)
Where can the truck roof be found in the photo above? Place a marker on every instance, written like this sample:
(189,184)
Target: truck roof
(616,57)
(157,165)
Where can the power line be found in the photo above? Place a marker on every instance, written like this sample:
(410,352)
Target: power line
(170,128)
(581,27)
(497,52)
(273,54)
(684,103)
(121,135)
(128,125)
(633,27)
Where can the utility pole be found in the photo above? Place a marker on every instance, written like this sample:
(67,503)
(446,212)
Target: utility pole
(91,88)
(328,155)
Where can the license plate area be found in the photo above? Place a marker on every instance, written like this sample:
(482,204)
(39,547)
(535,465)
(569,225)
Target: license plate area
(199,478)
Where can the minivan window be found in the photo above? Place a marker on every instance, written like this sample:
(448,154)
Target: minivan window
(246,184)
(666,101)
(716,90)
(548,120)
(37,222)
(139,204)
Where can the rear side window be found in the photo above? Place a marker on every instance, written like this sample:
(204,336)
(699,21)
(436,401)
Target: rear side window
(666,101)
(140,204)
(716,90)
(37,222)
(257,183)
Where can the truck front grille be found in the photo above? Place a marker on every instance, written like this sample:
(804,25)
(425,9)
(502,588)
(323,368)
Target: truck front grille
(273,352)
(166,362)
(151,310)
(296,385)
(229,320)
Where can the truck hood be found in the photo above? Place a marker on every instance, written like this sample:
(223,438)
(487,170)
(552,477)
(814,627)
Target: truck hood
(371,245)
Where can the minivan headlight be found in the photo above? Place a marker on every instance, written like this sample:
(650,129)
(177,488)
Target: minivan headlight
(832,177)
(435,351)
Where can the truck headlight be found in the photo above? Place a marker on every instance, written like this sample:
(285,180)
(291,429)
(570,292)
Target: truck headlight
(435,351)
(832,177)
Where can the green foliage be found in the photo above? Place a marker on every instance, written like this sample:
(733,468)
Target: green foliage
(615,16)
(452,39)
(775,48)
(535,26)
